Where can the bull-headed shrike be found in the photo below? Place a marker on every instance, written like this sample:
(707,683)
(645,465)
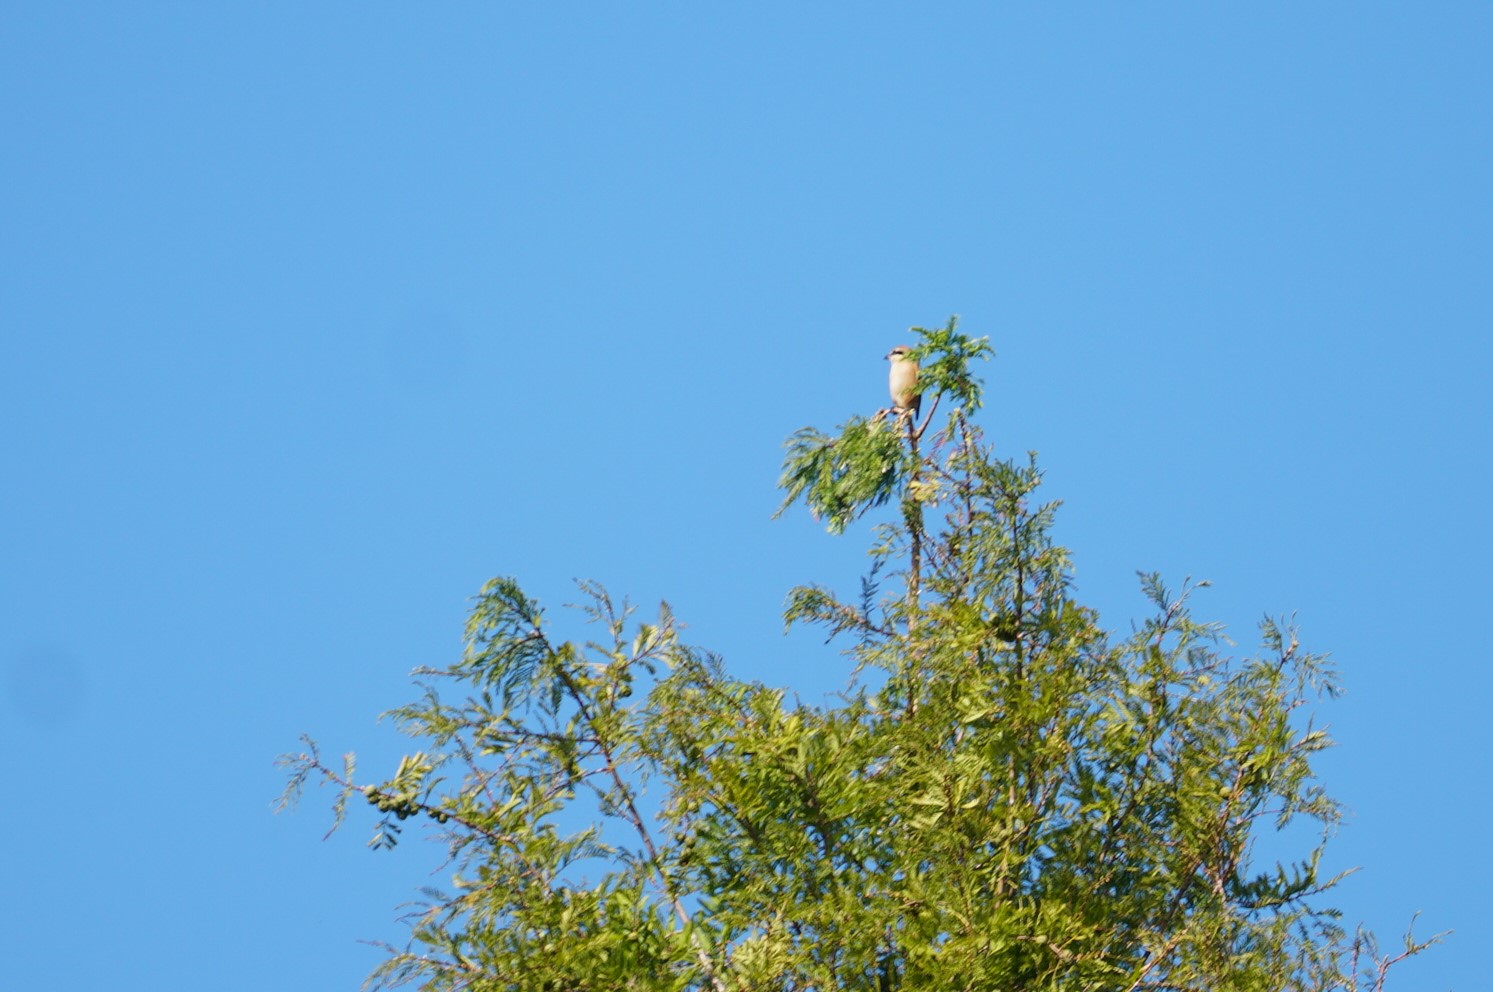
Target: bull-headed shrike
(904,382)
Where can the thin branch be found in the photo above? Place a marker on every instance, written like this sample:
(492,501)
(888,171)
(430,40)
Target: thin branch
(932,408)
(630,813)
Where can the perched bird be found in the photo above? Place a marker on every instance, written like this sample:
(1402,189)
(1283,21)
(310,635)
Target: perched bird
(904,382)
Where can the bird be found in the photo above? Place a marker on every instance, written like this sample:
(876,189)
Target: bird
(904,382)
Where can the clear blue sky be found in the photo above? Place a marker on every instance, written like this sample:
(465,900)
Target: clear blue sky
(315,316)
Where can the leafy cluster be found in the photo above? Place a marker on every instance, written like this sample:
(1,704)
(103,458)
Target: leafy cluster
(1007,796)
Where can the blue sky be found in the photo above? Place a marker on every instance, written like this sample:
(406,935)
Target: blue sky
(314,317)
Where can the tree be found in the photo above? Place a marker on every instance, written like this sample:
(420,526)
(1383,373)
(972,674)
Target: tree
(1005,797)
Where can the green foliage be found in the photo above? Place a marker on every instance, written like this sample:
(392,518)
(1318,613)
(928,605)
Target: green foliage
(946,365)
(844,476)
(1008,798)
